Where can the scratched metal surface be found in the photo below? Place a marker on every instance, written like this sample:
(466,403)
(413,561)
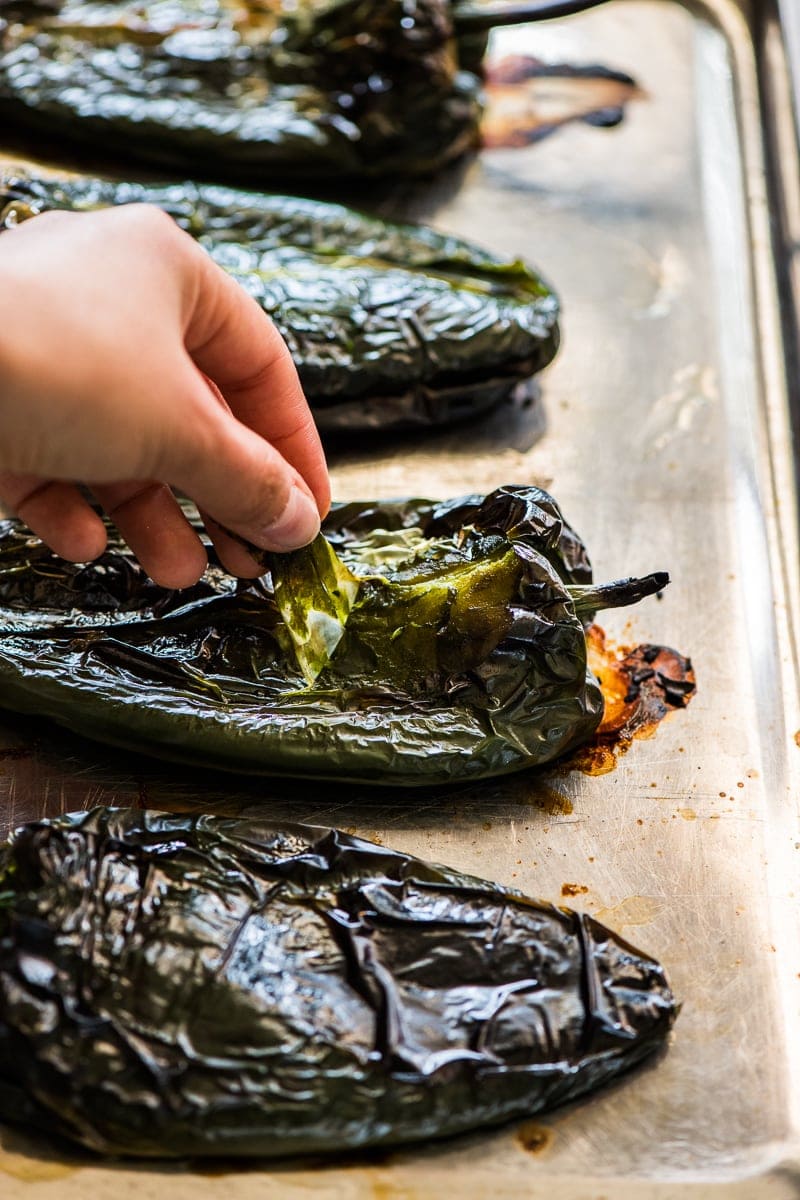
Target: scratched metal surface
(664,431)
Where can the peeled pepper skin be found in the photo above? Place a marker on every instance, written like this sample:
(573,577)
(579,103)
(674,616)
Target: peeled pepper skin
(209,675)
(391,326)
(175,985)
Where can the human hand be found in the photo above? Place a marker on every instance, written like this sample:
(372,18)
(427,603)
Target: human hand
(112,324)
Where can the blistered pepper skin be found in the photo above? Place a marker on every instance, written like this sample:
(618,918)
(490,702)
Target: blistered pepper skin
(209,675)
(174,985)
(391,326)
(303,91)
(489,677)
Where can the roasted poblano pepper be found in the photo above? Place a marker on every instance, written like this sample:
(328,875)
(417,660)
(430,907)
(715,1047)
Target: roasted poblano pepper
(300,89)
(177,986)
(389,325)
(463,654)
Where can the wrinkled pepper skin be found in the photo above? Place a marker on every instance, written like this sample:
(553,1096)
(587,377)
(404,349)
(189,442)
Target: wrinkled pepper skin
(209,675)
(175,985)
(390,326)
(300,90)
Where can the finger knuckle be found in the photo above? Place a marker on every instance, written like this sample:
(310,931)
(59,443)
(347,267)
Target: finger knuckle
(263,503)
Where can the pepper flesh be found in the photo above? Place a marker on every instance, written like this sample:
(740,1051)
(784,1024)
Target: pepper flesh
(446,618)
(210,674)
(390,326)
(174,985)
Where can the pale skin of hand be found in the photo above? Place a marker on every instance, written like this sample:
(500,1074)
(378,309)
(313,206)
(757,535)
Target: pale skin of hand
(112,324)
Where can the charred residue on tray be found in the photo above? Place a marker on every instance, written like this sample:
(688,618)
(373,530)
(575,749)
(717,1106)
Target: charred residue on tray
(573,889)
(527,99)
(534,1138)
(640,686)
(549,801)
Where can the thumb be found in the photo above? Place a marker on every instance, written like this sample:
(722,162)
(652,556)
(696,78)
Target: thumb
(239,479)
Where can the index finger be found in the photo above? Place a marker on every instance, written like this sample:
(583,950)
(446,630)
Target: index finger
(237,346)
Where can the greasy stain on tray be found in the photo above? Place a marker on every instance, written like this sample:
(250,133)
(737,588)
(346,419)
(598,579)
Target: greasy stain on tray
(640,686)
(534,1138)
(552,802)
(527,99)
(633,910)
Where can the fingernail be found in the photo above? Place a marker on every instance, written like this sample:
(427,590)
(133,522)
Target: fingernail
(297,525)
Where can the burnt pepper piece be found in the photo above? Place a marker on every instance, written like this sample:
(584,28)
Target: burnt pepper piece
(391,326)
(174,985)
(210,675)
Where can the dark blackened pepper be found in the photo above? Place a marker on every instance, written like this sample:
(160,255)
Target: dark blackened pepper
(175,985)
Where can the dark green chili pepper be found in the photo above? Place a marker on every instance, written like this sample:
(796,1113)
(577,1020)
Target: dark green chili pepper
(175,985)
(391,326)
(461,653)
(307,89)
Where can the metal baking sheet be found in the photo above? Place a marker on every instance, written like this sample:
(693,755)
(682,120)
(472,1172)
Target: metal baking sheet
(665,430)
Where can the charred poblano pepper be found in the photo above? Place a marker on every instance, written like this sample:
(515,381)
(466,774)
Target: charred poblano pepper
(177,986)
(390,325)
(462,654)
(437,617)
(301,89)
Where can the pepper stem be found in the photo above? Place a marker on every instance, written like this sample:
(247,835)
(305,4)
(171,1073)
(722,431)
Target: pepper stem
(482,15)
(591,597)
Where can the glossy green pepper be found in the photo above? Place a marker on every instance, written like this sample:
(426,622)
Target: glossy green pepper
(175,985)
(391,326)
(463,654)
(290,89)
